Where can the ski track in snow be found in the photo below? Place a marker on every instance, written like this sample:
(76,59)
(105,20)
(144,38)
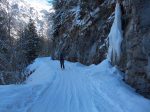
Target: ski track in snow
(78,88)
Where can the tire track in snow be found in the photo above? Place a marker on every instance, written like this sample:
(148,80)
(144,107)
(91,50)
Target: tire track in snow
(45,95)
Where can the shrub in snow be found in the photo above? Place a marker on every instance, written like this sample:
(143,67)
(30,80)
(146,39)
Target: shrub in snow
(115,37)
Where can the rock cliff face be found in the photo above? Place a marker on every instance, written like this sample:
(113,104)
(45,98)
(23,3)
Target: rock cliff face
(82,27)
(136,46)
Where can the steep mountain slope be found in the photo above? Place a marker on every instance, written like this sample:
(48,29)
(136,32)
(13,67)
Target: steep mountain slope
(78,88)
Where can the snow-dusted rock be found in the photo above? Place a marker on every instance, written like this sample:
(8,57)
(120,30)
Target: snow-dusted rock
(82,28)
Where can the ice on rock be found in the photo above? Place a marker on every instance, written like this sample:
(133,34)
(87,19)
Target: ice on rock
(115,37)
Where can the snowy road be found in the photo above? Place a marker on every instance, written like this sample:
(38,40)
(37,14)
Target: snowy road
(78,88)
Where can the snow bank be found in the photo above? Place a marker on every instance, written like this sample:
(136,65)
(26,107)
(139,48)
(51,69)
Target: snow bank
(114,93)
(115,37)
(38,78)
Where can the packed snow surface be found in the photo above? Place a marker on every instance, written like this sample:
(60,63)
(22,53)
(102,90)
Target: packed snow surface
(78,88)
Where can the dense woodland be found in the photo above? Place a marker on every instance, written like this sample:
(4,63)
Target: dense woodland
(17,53)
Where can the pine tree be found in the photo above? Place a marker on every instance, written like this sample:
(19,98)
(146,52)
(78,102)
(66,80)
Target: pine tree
(31,42)
(6,41)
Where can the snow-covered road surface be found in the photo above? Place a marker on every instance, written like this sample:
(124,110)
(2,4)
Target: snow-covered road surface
(78,88)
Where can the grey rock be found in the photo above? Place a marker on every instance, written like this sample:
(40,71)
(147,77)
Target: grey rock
(85,37)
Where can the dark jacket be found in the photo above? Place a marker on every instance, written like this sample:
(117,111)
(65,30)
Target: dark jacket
(61,57)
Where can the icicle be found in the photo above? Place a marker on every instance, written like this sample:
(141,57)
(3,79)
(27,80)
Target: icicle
(115,37)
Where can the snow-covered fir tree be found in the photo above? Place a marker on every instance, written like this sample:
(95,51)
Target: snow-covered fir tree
(31,43)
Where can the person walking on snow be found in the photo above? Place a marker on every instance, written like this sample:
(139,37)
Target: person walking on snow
(62,61)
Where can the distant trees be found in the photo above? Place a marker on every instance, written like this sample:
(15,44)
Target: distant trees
(6,41)
(7,44)
(17,53)
(30,42)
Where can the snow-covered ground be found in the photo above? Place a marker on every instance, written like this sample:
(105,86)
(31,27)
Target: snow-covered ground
(78,88)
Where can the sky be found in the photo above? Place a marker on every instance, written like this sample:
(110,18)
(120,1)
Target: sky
(40,4)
